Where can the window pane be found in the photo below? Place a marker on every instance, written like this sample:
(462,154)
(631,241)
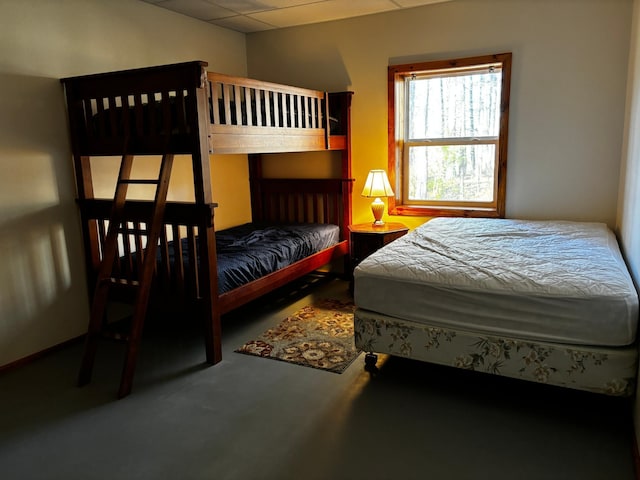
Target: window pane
(461,105)
(452,172)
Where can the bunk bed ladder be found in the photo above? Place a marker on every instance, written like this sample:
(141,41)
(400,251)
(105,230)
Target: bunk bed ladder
(108,282)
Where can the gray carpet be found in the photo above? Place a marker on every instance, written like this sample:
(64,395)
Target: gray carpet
(247,418)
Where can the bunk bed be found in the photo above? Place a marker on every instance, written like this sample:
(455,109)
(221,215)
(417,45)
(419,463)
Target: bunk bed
(184,109)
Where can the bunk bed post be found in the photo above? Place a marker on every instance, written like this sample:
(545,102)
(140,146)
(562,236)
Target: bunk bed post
(326,120)
(89,227)
(346,173)
(84,184)
(348,185)
(207,304)
(340,106)
(345,100)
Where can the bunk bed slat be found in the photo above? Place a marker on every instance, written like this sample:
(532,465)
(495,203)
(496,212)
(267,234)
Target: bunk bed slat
(179,270)
(214,93)
(113,119)
(150,105)
(100,117)
(248,102)
(291,100)
(138,113)
(226,96)
(237,101)
(164,266)
(139,233)
(166,117)
(314,112)
(267,108)
(181,112)
(276,109)
(126,261)
(126,115)
(259,98)
(194,278)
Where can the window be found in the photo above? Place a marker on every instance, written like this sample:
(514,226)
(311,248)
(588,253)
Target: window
(448,123)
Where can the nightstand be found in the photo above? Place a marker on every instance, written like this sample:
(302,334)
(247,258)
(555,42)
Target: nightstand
(366,238)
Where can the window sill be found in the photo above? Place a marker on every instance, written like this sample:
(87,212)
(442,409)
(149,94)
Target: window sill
(413,210)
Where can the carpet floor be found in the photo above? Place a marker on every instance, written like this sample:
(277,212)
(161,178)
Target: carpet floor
(249,418)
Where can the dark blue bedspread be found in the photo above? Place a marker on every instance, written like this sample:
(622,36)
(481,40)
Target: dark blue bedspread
(250,251)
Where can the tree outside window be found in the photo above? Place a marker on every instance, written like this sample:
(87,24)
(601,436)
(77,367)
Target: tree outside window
(448,124)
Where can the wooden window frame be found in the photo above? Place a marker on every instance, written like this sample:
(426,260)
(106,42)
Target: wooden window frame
(395,82)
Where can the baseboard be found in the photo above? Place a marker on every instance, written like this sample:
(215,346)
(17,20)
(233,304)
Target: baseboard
(21,362)
(636,455)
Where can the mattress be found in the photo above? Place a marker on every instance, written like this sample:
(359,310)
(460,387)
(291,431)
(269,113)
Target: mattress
(548,281)
(252,250)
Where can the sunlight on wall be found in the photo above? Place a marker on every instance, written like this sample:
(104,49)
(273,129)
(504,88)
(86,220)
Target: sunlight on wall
(35,264)
(34,272)
(60,256)
(26,168)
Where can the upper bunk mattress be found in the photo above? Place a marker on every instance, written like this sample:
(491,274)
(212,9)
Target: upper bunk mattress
(538,280)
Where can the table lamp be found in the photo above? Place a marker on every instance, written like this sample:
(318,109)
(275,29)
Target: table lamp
(376,186)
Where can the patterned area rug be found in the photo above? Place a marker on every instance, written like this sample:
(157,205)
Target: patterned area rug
(318,336)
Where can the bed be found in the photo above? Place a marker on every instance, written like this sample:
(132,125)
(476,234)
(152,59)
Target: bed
(545,301)
(184,109)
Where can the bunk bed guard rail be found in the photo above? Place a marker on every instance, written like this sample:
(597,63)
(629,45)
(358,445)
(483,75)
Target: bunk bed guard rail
(258,116)
(141,111)
(138,111)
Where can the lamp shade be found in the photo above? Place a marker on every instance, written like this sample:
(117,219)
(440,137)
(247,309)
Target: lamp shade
(377,185)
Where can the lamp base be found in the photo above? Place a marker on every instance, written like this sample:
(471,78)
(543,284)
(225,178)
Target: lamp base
(377,208)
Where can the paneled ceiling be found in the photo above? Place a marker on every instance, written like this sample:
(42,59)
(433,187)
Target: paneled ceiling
(256,15)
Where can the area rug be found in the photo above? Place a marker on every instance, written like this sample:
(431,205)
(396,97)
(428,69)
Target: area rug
(318,336)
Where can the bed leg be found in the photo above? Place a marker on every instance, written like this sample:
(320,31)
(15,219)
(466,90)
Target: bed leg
(370,360)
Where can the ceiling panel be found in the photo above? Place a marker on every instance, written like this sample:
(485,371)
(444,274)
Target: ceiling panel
(200,9)
(323,12)
(256,15)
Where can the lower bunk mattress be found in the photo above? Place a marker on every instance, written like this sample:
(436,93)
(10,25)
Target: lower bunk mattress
(251,251)
(487,290)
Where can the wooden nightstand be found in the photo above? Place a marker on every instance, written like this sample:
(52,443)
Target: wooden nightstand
(367,238)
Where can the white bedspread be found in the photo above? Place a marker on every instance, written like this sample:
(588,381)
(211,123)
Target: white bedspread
(555,281)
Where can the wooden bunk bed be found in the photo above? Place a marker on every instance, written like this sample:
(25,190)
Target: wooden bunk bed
(183,109)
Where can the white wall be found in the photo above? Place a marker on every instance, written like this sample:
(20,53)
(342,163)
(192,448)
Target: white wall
(43,298)
(567,96)
(628,222)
